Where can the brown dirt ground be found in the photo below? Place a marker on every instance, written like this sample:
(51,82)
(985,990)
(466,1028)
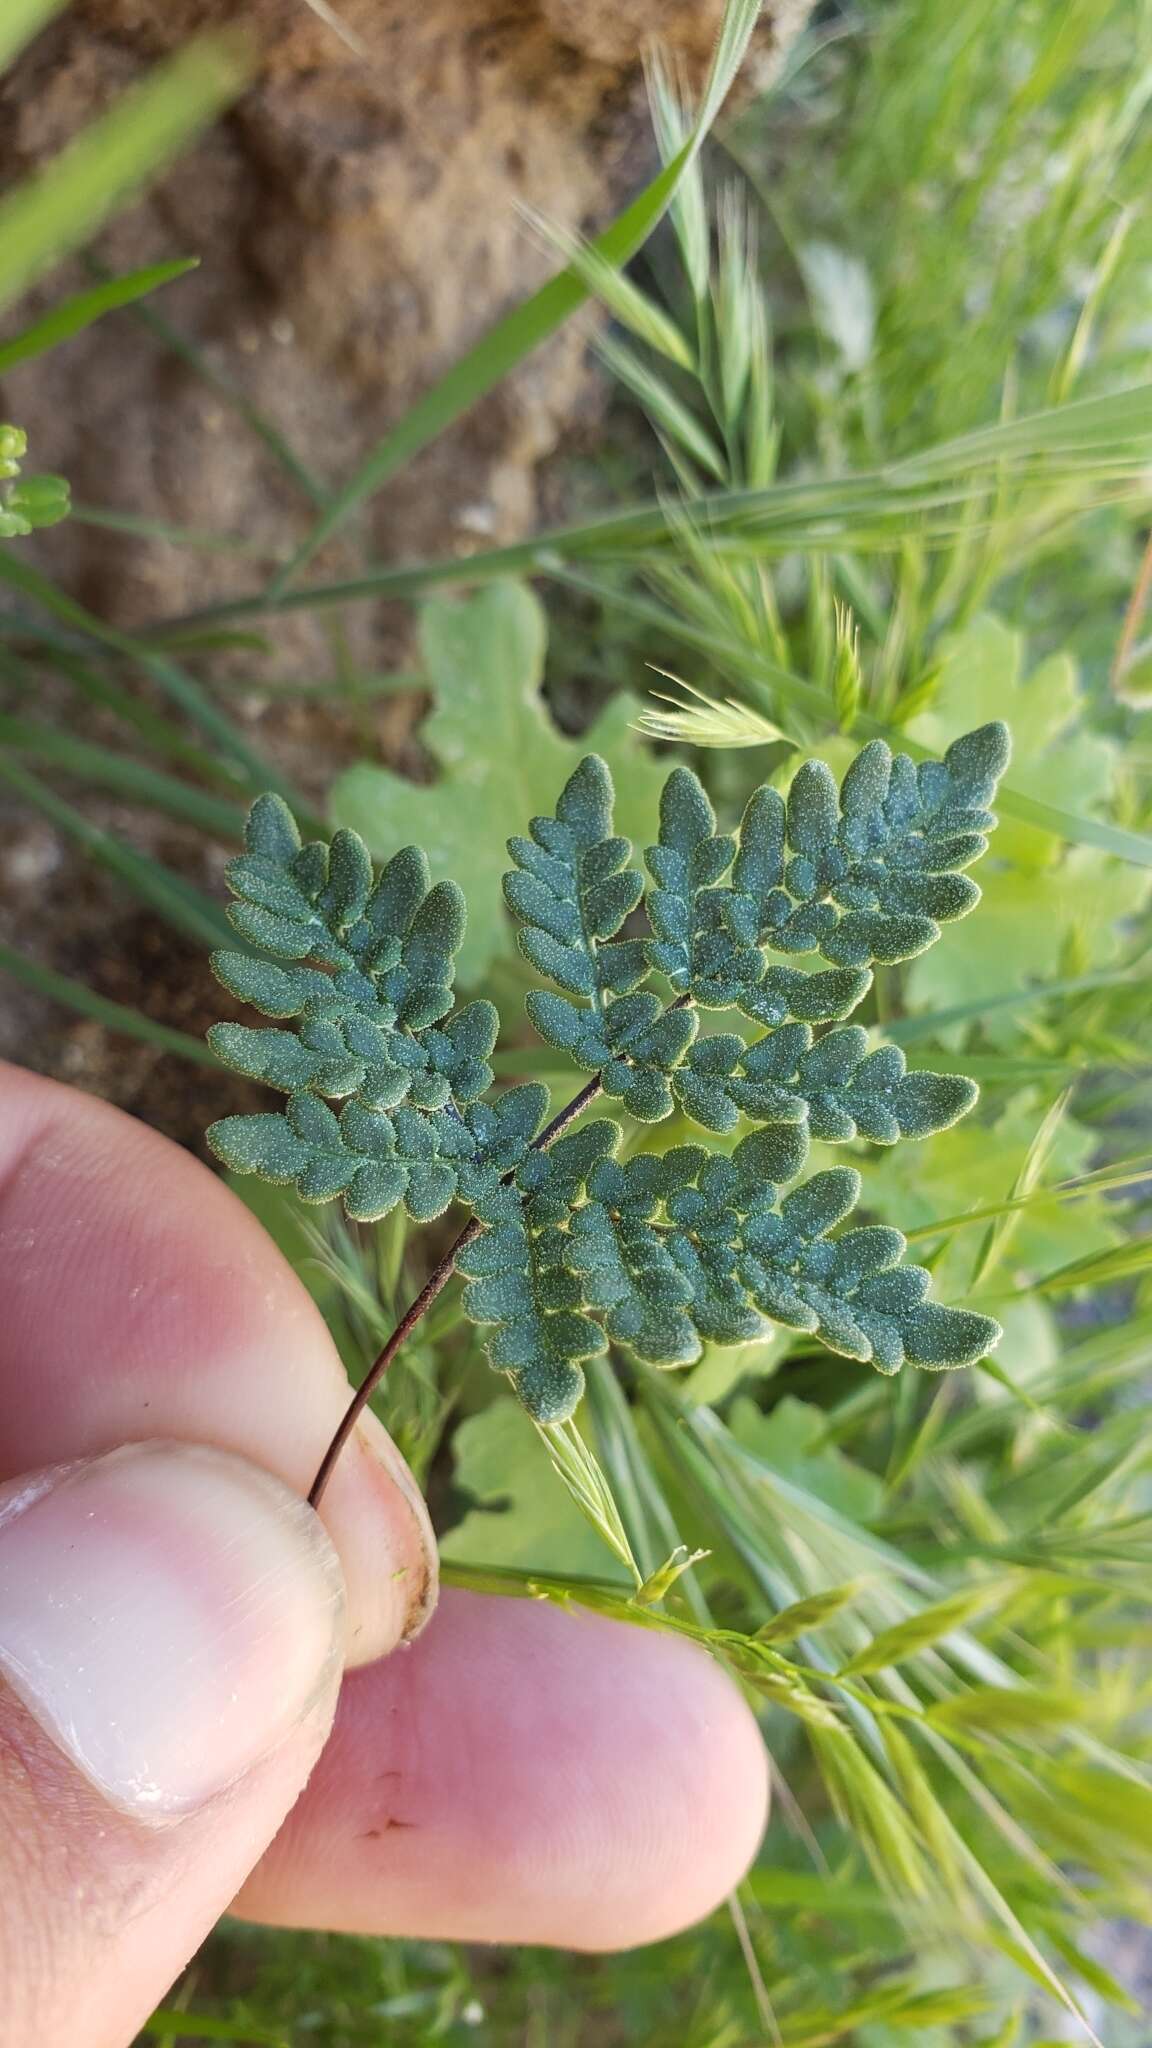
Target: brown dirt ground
(356,216)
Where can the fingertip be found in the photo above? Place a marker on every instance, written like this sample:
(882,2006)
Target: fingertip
(683,1799)
(525,1774)
(379,1522)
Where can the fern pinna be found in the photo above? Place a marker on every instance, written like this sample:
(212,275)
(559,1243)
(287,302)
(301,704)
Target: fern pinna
(568,1247)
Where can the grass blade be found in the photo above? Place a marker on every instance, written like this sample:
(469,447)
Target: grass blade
(522,331)
(58,655)
(138,527)
(577,1466)
(1003,1228)
(668,413)
(64,204)
(73,315)
(22,19)
(1099,1269)
(258,423)
(128,777)
(76,995)
(1101,1180)
(180,902)
(925,1630)
(172,2024)
(605,281)
(906,1030)
(175,682)
(832,514)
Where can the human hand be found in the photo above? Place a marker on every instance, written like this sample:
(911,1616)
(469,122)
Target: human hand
(177,1627)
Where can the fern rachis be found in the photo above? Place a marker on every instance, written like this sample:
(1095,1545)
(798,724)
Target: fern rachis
(567,1248)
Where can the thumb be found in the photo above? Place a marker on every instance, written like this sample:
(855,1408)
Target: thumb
(171,1637)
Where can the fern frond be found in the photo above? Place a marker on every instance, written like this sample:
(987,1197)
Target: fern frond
(370,979)
(864,875)
(569,1249)
(521,1280)
(835,1086)
(663,1253)
(572,889)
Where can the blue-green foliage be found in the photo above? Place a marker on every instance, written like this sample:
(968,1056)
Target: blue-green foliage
(572,889)
(522,1279)
(864,874)
(370,981)
(835,1086)
(680,1247)
(578,1250)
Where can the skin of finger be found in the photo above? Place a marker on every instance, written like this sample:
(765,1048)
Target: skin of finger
(98,1913)
(524,1774)
(142,1299)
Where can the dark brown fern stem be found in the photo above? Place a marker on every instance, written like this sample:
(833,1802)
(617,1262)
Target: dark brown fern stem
(437,1279)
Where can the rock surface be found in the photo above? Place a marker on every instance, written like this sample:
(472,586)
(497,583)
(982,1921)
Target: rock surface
(356,216)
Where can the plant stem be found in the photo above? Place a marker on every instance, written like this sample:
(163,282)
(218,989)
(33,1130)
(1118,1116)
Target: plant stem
(437,1279)
(1137,605)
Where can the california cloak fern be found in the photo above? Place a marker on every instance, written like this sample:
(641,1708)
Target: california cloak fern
(570,1248)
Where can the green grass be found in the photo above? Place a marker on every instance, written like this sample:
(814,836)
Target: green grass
(887,355)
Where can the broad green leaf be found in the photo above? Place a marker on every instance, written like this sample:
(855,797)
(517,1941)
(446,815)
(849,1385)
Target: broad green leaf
(790,1441)
(1030,1348)
(522,1514)
(1027,920)
(1040,900)
(920,1184)
(1054,758)
(502,760)
(724,1366)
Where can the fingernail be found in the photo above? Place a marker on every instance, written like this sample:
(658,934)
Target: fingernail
(417,1574)
(168,1614)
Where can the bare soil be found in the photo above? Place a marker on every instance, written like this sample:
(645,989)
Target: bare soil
(356,216)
